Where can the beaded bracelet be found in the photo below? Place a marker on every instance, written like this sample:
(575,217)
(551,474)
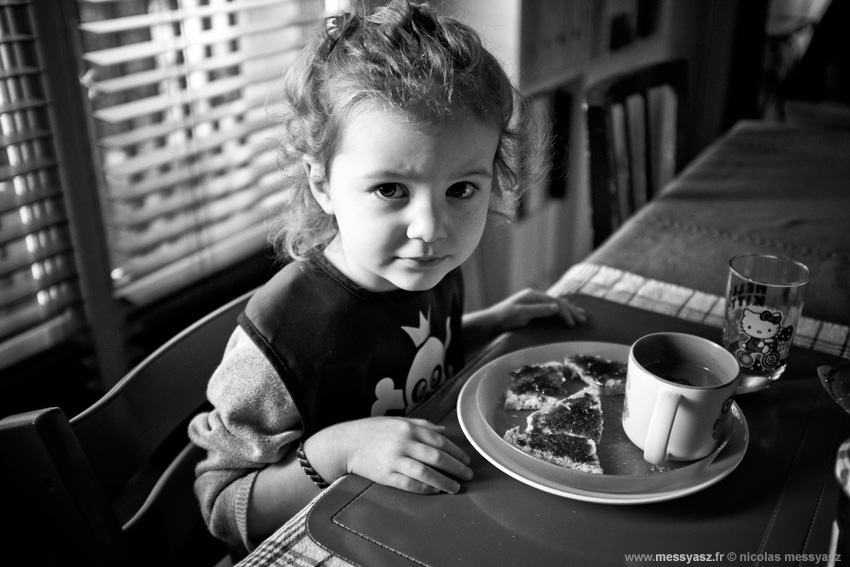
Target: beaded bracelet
(308,468)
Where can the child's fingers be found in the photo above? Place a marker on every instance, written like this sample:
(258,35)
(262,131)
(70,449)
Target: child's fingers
(444,445)
(571,314)
(567,316)
(424,479)
(533,304)
(454,465)
(539,310)
(410,484)
(547,306)
(436,455)
(427,424)
(531,296)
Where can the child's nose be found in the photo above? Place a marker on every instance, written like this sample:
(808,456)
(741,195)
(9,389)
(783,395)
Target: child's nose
(426,221)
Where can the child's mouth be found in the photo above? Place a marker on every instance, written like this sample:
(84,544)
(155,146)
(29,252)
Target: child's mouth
(423,261)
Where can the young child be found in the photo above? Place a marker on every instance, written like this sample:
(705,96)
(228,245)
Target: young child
(402,135)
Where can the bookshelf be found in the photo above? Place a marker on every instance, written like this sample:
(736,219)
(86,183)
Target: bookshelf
(562,46)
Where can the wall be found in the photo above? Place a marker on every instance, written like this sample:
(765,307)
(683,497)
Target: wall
(569,46)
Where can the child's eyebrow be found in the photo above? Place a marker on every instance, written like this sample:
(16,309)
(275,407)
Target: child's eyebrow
(478,173)
(391,173)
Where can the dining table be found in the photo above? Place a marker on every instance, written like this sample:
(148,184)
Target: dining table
(770,497)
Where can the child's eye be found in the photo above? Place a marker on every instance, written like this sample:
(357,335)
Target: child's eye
(462,190)
(390,191)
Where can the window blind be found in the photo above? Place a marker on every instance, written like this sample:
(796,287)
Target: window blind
(39,292)
(178,92)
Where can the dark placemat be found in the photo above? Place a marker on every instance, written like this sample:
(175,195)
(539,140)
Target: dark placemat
(766,505)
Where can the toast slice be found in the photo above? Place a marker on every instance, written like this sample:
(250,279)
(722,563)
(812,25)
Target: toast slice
(564,432)
(562,449)
(607,376)
(535,385)
(579,415)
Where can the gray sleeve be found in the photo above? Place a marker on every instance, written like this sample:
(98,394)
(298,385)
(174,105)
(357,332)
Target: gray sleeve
(253,424)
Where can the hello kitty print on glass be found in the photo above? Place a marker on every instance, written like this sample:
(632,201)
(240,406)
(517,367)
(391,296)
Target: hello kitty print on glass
(764,299)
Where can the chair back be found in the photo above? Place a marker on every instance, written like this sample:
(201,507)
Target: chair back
(636,137)
(114,486)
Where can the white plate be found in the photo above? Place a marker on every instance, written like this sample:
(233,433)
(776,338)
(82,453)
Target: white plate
(480,415)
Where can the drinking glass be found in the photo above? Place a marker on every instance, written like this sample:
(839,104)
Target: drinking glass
(764,299)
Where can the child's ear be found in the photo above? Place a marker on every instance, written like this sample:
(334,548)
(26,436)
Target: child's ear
(315,171)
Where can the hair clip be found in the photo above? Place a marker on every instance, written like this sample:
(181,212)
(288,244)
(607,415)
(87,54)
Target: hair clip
(335,24)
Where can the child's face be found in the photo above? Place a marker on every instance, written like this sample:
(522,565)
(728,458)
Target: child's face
(410,201)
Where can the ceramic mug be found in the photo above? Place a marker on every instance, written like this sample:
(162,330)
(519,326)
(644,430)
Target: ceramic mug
(679,391)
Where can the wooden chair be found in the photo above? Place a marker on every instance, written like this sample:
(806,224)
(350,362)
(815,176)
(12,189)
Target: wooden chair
(636,137)
(87,483)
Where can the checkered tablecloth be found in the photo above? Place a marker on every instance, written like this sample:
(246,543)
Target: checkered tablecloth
(291,545)
(661,297)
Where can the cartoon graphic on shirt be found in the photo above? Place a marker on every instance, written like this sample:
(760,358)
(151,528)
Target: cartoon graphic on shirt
(427,371)
(767,339)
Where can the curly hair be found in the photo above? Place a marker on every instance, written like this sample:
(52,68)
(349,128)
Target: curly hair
(408,59)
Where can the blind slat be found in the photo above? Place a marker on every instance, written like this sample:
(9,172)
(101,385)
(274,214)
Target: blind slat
(30,218)
(17,254)
(167,218)
(26,104)
(161,129)
(147,49)
(15,37)
(167,17)
(29,280)
(152,77)
(10,198)
(168,154)
(43,305)
(25,136)
(45,335)
(191,204)
(157,257)
(19,72)
(191,242)
(193,267)
(149,244)
(156,104)
(204,168)
(30,166)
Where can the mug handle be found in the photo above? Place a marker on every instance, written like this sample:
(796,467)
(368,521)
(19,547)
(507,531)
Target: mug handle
(660,426)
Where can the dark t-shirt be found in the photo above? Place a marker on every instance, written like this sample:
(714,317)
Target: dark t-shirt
(344,352)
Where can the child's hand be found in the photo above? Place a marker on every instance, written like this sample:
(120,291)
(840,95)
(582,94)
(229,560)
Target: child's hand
(410,454)
(527,304)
